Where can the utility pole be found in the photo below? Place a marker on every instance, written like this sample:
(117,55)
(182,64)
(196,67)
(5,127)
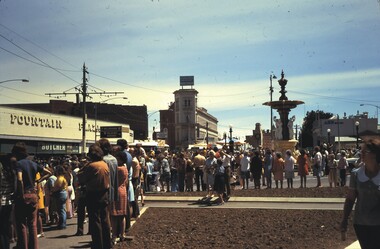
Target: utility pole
(206,133)
(85,94)
(84,112)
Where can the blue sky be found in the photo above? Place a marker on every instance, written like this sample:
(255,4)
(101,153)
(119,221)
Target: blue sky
(329,51)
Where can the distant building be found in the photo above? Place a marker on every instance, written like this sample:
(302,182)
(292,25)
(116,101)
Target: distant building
(257,139)
(343,130)
(184,123)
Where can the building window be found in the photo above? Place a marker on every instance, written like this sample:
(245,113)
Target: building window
(187,103)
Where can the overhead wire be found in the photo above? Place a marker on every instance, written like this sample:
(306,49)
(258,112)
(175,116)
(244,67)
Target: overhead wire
(37,58)
(18,90)
(40,47)
(59,70)
(335,97)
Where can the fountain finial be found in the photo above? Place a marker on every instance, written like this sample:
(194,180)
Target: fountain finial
(283,83)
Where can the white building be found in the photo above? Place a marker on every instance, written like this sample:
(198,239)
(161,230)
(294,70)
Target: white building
(342,131)
(46,133)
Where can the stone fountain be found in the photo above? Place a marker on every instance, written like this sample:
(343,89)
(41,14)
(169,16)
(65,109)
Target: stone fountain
(284,136)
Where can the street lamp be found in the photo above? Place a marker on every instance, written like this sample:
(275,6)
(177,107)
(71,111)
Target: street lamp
(272,76)
(21,80)
(377,110)
(96,112)
(338,121)
(231,141)
(328,137)
(225,138)
(357,134)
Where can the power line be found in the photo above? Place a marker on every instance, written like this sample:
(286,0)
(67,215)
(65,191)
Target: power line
(37,58)
(17,90)
(128,84)
(26,39)
(39,64)
(336,98)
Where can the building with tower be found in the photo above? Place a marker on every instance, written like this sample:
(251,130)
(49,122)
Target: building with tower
(192,124)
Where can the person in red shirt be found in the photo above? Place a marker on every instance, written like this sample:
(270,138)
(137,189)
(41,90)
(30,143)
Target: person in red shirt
(95,175)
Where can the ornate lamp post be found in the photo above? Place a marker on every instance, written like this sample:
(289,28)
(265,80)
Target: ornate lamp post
(328,137)
(231,141)
(357,134)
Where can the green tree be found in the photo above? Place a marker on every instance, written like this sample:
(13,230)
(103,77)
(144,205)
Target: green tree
(307,126)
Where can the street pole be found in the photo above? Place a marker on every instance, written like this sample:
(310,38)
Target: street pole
(328,138)
(272,76)
(231,143)
(84,93)
(357,134)
(84,114)
(338,132)
(207,134)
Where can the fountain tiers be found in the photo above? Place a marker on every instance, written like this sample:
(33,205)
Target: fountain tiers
(283,107)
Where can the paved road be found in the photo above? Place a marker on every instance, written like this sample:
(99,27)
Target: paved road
(253,205)
(63,239)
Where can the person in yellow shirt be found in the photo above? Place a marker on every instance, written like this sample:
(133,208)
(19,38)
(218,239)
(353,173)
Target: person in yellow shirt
(40,205)
(60,194)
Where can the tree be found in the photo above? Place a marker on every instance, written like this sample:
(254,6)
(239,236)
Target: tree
(307,126)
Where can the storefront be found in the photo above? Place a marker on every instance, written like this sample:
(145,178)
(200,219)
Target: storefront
(50,134)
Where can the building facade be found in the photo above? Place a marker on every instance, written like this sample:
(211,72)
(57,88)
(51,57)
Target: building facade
(50,134)
(342,132)
(135,116)
(192,124)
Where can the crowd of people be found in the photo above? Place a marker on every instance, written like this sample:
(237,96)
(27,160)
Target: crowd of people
(110,181)
(105,184)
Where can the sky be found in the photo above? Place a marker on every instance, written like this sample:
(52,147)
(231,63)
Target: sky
(329,52)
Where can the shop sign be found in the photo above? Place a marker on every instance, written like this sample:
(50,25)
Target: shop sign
(72,149)
(110,131)
(26,120)
(51,148)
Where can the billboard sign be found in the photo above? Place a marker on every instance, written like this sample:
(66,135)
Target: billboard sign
(186,80)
